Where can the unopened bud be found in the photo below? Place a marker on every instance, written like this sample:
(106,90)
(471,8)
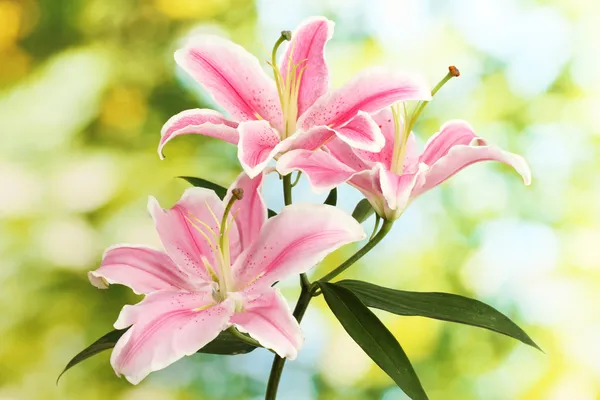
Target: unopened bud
(454,71)
(287,35)
(238,193)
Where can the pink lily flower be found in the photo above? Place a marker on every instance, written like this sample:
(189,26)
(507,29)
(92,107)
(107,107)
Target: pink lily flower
(395,176)
(269,117)
(221,259)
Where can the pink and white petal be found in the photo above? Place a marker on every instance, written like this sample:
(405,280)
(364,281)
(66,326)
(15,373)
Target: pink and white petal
(461,156)
(249,213)
(347,155)
(166,327)
(293,242)
(397,190)
(324,172)
(143,269)
(188,231)
(370,91)
(368,183)
(313,138)
(199,122)
(233,76)
(306,50)
(385,122)
(362,133)
(266,317)
(452,133)
(259,144)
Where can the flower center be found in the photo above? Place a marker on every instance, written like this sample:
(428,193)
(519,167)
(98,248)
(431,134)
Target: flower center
(219,242)
(403,123)
(288,87)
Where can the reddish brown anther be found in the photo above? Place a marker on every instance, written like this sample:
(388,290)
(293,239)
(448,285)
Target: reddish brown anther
(238,193)
(454,71)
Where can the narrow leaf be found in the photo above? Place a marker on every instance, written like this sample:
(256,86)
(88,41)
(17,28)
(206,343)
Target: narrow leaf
(362,211)
(271,213)
(373,337)
(106,342)
(331,198)
(227,344)
(199,182)
(224,344)
(442,306)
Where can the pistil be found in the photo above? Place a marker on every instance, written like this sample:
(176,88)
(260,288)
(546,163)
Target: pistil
(288,88)
(403,127)
(226,284)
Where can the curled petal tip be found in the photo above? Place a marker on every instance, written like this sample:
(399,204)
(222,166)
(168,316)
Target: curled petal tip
(454,71)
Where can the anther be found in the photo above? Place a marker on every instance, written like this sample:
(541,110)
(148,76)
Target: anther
(238,193)
(454,71)
(287,35)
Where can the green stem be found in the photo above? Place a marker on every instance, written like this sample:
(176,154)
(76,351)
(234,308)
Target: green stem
(299,310)
(385,228)
(287,189)
(297,178)
(279,362)
(377,221)
(312,290)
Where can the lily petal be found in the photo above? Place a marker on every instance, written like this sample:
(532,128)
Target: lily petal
(199,122)
(268,319)
(397,190)
(143,269)
(293,242)
(362,133)
(307,51)
(456,147)
(250,213)
(370,91)
(324,171)
(385,121)
(233,76)
(347,155)
(259,144)
(452,133)
(313,138)
(166,327)
(368,183)
(189,231)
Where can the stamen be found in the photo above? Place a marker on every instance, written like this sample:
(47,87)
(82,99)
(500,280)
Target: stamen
(211,272)
(213,246)
(212,213)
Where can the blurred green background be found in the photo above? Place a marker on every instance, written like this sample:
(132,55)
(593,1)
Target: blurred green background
(86,85)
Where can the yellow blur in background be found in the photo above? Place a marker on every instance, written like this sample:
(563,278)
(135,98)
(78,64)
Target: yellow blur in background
(85,86)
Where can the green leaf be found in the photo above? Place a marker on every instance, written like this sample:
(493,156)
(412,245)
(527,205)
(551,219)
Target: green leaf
(362,211)
(331,198)
(218,189)
(442,306)
(227,344)
(373,337)
(106,342)
(224,344)
(199,182)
